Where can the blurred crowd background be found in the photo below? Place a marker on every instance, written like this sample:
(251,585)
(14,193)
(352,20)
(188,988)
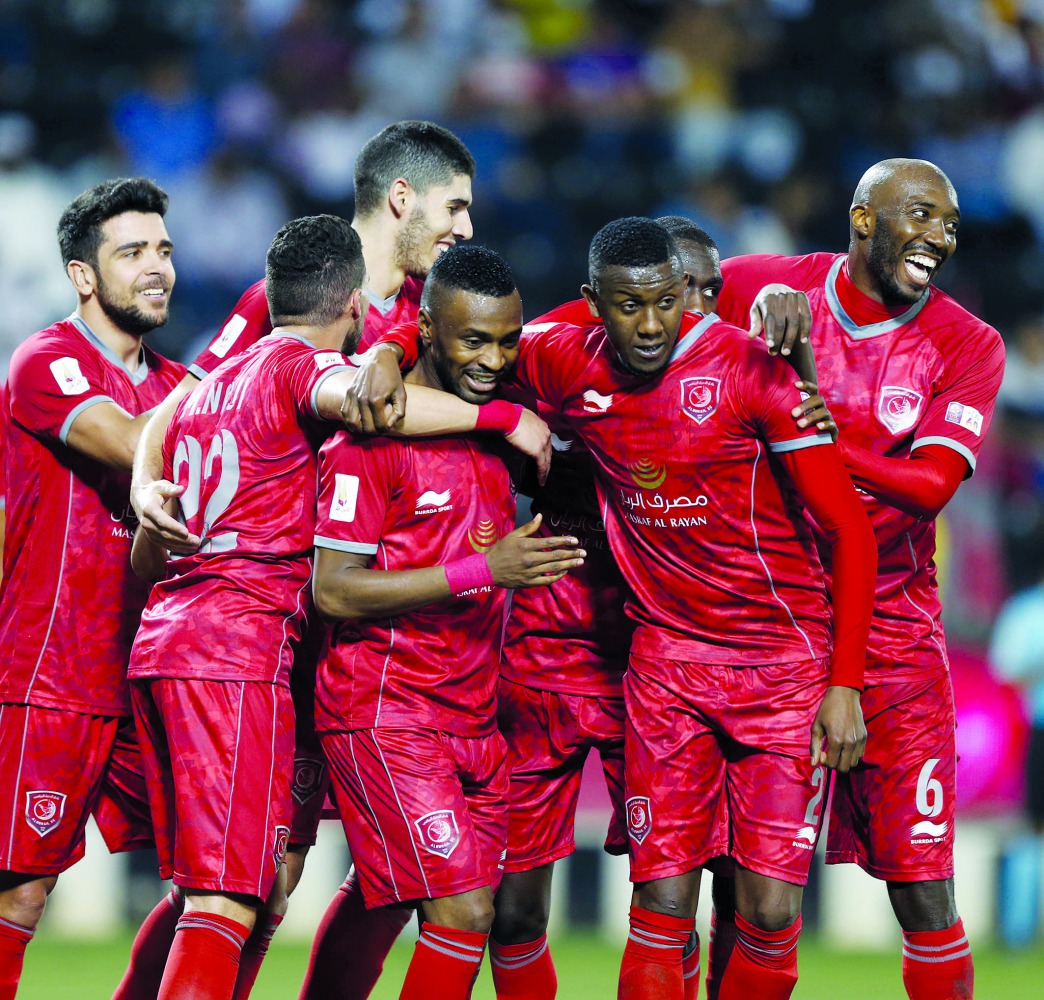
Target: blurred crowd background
(754,117)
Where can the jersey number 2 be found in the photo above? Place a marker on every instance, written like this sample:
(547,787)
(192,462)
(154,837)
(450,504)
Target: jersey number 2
(202,485)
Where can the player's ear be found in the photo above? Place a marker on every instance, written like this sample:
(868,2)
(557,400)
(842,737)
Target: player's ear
(862,219)
(400,197)
(588,292)
(82,275)
(424,326)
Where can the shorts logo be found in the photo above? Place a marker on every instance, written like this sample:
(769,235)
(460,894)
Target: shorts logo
(439,832)
(560,444)
(966,416)
(345,498)
(639,817)
(483,536)
(229,335)
(699,397)
(646,474)
(308,778)
(67,374)
(929,830)
(44,810)
(595,402)
(807,834)
(898,408)
(280,844)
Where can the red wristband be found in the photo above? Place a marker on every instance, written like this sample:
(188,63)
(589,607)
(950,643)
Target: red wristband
(500,416)
(469,573)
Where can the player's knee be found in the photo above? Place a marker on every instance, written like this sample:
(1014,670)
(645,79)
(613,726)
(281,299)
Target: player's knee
(519,920)
(923,906)
(774,914)
(23,903)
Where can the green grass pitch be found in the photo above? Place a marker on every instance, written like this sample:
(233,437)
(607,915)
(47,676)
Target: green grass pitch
(587,967)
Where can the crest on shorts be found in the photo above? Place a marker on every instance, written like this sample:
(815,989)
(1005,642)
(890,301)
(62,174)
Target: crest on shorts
(280,844)
(44,810)
(439,832)
(699,397)
(639,817)
(308,778)
(898,408)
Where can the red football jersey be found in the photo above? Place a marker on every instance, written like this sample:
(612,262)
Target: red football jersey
(895,380)
(711,539)
(249,322)
(243,443)
(412,504)
(70,604)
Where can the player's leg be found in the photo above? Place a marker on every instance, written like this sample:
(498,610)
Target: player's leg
(51,769)
(232,826)
(676,812)
(722,930)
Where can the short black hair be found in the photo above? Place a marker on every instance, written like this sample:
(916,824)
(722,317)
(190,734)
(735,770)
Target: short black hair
(470,268)
(80,227)
(634,241)
(423,153)
(312,267)
(683,229)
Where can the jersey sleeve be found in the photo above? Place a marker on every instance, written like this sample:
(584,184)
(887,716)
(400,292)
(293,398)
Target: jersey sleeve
(548,353)
(51,384)
(765,387)
(246,325)
(306,375)
(356,486)
(745,276)
(961,409)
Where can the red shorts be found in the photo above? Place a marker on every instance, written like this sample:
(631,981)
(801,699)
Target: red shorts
(548,737)
(425,812)
(56,769)
(893,814)
(717,763)
(310,780)
(218,757)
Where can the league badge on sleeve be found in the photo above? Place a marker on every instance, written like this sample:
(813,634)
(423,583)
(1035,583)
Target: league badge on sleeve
(345,498)
(439,832)
(67,374)
(639,817)
(44,810)
(699,397)
(966,416)
(898,408)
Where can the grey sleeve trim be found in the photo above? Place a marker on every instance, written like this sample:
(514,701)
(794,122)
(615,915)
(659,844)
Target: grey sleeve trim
(963,450)
(319,381)
(200,373)
(63,434)
(797,444)
(356,548)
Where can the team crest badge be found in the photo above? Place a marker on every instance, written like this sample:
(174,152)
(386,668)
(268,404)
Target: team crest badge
(439,832)
(898,408)
(280,844)
(44,810)
(699,397)
(639,817)
(308,778)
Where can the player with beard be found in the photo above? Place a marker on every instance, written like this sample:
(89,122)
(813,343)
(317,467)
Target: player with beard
(414,552)
(412,194)
(912,379)
(211,661)
(78,396)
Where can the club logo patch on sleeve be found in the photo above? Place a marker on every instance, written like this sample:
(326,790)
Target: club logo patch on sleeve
(439,832)
(308,778)
(699,397)
(44,810)
(345,498)
(898,408)
(965,416)
(639,817)
(67,374)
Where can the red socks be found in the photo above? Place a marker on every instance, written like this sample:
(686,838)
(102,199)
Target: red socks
(719,951)
(204,959)
(764,963)
(13,940)
(652,960)
(523,971)
(350,946)
(444,965)
(254,952)
(691,969)
(150,949)
(937,965)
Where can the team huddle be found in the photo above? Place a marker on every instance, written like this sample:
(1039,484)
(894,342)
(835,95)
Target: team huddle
(287,582)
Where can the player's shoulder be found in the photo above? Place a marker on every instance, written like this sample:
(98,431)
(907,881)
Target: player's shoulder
(801,270)
(62,334)
(949,323)
(163,365)
(254,296)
